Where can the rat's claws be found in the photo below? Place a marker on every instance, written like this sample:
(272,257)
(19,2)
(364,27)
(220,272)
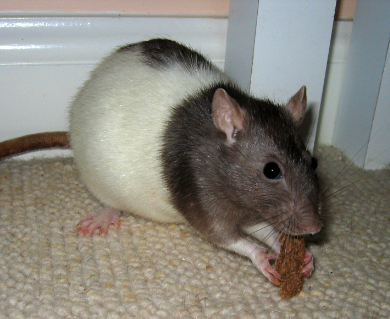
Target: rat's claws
(308,265)
(100,220)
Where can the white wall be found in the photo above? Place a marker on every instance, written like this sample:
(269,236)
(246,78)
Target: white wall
(333,82)
(44,60)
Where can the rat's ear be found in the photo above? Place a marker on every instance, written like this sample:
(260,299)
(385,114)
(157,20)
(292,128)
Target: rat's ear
(296,106)
(228,116)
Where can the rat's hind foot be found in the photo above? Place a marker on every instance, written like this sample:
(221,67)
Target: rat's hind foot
(102,219)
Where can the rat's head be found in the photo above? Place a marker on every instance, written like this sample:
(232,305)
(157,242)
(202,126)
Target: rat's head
(269,171)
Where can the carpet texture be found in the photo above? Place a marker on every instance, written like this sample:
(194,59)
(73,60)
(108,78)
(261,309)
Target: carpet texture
(150,270)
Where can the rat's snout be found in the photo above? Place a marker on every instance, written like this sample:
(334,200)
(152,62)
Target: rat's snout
(307,226)
(301,224)
(309,222)
(303,219)
(311,228)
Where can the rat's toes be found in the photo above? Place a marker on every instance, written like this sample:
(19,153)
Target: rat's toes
(263,265)
(101,220)
(271,274)
(308,264)
(85,219)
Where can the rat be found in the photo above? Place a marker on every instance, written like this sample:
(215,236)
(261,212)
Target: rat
(159,131)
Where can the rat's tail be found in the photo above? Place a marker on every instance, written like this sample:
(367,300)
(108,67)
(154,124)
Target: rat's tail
(34,142)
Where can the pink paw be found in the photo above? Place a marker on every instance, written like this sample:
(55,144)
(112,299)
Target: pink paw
(261,261)
(102,219)
(308,265)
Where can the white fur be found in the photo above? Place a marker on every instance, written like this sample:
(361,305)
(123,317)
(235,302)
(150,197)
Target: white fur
(266,234)
(116,126)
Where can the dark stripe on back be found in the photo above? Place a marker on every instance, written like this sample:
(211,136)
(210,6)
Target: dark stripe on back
(162,53)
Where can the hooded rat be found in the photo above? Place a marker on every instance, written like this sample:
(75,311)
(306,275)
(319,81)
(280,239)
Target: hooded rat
(159,131)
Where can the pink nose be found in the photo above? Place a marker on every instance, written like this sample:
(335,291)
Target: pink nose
(312,228)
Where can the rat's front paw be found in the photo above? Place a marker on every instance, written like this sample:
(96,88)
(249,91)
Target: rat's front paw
(261,261)
(100,220)
(259,256)
(308,264)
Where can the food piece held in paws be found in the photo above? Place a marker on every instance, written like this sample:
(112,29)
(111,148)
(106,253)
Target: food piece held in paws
(289,265)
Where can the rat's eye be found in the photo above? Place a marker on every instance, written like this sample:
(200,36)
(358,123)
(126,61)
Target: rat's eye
(314,164)
(272,171)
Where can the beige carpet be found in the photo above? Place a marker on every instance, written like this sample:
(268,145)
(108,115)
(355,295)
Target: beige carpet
(149,270)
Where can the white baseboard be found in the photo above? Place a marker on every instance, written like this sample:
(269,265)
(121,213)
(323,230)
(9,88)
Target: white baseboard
(44,60)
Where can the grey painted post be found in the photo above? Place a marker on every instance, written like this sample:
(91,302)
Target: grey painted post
(275,47)
(364,86)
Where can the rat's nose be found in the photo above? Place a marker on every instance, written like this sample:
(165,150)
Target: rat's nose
(312,227)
